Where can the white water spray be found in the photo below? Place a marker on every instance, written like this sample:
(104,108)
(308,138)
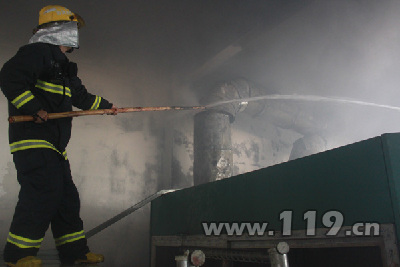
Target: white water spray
(311,98)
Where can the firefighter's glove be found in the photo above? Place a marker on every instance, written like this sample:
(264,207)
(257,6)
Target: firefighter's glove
(41,116)
(114,110)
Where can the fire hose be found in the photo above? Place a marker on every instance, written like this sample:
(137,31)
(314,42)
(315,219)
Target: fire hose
(51,116)
(126,212)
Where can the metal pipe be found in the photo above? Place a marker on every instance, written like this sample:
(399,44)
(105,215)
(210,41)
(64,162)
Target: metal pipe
(182,260)
(125,213)
(235,89)
(213,156)
(278,255)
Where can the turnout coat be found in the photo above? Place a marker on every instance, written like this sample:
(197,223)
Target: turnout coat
(39,77)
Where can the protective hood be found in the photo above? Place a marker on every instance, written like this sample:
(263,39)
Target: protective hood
(65,34)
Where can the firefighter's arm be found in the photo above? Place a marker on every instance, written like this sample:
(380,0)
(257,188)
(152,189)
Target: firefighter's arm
(18,75)
(84,100)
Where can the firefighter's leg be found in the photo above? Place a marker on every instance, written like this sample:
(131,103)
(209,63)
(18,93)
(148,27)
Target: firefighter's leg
(67,226)
(38,172)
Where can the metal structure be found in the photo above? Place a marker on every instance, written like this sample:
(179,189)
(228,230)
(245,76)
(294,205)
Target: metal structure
(264,249)
(276,256)
(213,155)
(340,205)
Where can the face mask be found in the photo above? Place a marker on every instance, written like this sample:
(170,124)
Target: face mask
(65,34)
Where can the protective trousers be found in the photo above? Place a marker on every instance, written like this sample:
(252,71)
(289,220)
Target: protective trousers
(47,196)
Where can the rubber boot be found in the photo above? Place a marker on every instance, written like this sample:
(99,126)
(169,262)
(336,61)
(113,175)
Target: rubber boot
(29,261)
(91,258)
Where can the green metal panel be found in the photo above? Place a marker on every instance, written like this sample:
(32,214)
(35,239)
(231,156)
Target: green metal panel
(350,179)
(391,148)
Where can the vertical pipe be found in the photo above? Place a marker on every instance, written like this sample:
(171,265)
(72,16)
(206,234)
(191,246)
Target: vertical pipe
(213,157)
(182,260)
(278,255)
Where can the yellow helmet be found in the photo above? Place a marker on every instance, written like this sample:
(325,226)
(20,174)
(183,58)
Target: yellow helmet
(54,13)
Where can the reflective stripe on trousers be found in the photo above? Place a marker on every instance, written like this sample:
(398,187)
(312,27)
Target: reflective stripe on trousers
(34,143)
(69,238)
(23,242)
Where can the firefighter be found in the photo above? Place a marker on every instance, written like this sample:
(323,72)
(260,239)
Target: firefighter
(37,80)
